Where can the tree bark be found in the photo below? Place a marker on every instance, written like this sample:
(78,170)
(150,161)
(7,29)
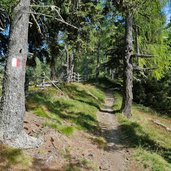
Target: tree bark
(53,68)
(136,43)
(13,97)
(128,68)
(98,63)
(69,64)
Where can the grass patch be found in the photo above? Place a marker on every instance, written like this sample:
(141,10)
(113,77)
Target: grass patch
(155,141)
(79,109)
(66,130)
(151,161)
(100,142)
(10,157)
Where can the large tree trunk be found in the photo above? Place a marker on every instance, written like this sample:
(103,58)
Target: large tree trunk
(13,98)
(128,68)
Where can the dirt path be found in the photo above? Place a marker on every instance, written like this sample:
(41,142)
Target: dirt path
(116,160)
(63,153)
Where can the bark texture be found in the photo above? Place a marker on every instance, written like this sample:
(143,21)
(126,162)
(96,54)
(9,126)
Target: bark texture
(128,68)
(98,63)
(53,68)
(13,98)
(69,65)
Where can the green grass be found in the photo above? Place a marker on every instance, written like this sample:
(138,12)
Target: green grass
(151,142)
(66,130)
(13,157)
(78,109)
(151,160)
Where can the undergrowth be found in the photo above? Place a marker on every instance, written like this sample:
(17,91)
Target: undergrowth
(151,142)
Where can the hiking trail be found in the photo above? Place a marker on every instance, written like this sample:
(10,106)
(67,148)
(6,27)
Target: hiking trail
(116,160)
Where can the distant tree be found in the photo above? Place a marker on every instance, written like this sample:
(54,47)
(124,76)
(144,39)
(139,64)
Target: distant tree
(135,13)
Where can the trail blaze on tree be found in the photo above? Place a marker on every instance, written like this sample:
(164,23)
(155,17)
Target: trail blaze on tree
(13,97)
(77,37)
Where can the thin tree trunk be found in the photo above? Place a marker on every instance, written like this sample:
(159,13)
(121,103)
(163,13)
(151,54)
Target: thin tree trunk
(128,68)
(136,43)
(67,64)
(53,68)
(13,98)
(72,58)
(98,63)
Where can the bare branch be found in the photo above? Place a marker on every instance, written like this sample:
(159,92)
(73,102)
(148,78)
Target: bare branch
(137,68)
(143,55)
(45,6)
(51,16)
(1,29)
(57,10)
(37,24)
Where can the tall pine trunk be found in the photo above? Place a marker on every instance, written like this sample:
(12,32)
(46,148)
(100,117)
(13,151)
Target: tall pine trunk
(128,68)
(13,97)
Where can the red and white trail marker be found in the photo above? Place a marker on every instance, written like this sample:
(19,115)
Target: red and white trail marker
(16,62)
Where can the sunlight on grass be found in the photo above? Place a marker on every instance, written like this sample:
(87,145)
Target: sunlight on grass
(151,142)
(151,161)
(79,109)
(66,130)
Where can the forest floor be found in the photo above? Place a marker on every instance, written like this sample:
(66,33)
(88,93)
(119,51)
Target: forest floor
(81,132)
(81,151)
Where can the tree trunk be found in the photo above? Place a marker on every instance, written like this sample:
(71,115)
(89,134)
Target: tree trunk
(53,68)
(13,97)
(67,64)
(136,44)
(98,63)
(72,58)
(128,68)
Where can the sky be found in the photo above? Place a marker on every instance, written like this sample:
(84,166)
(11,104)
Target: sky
(167,11)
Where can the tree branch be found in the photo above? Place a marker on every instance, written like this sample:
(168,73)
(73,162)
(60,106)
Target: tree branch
(34,18)
(57,10)
(51,16)
(143,55)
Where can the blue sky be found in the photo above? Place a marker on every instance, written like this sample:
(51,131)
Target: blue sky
(167,11)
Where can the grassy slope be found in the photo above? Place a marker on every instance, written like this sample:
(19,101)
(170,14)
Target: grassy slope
(65,113)
(151,143)
(77,107)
